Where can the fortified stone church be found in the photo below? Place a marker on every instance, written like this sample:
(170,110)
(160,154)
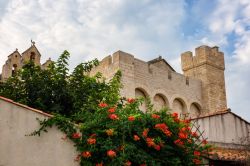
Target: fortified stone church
(198,93)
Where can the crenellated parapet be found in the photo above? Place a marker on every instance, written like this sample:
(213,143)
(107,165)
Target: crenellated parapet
(203,55)
(154,79)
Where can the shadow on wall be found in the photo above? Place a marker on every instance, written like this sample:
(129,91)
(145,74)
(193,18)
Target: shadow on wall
(179,106)
(160,101)
(139,92)
(195,110)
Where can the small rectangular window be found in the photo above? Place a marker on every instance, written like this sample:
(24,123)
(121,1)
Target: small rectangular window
(187,80)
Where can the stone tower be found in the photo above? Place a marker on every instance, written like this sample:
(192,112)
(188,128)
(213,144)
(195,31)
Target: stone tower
(207,65)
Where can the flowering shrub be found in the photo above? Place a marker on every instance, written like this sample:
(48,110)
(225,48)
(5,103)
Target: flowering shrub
(105,129)
(121,134)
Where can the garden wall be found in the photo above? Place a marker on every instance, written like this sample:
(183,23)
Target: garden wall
(16,149)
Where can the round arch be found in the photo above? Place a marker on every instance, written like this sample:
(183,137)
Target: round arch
(140,92)
(160,101)
(195,109)
(143,90)
(179,105)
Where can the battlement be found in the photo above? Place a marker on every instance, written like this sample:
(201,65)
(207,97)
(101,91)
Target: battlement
(129,65)
(115,58)
(112,63)
(155,79)
(203,55)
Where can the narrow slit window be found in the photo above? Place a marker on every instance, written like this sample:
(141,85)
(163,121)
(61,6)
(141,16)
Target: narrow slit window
(187,80)
(169,75)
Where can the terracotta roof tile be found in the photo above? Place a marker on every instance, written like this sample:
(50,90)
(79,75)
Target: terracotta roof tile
(229,154)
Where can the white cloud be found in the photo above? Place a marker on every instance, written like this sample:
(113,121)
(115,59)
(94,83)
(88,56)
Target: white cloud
(238,92)
(147,28)
(91,28)
(232,17)
(227,25)
(242,51)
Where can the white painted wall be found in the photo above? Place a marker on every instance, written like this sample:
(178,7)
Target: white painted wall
(226,128)
(16,149)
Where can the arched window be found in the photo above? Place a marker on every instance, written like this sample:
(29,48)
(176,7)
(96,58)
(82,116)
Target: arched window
(141,93)
(179,106)
(195,110)
(32,56)
(160,102)
(14,69)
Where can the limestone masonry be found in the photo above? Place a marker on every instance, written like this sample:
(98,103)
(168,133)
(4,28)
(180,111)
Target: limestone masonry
(199,91)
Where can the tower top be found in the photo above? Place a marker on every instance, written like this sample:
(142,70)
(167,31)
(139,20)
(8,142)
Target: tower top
(203,55)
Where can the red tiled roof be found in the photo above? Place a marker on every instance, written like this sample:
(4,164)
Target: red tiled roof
(25,106)
(229,154)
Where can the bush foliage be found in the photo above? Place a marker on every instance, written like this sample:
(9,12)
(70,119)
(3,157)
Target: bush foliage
(105,128)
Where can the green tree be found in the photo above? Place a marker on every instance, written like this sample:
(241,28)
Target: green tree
(55,90)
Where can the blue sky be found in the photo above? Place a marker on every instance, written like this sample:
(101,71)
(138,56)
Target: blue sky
(145,28)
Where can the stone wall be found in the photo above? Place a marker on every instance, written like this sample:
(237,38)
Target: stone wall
(156,81)
(16,149)
(14,60)
(31,54)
